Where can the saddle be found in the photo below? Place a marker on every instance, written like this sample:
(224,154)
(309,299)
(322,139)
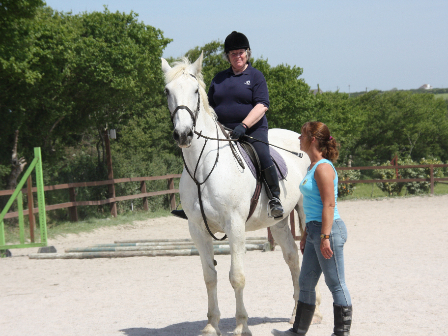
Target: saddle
(250,157)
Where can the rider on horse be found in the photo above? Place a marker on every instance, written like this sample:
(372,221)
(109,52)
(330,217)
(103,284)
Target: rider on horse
(240,98)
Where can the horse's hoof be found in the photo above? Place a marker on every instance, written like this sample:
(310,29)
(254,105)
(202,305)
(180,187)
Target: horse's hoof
(242,331)
(317,319)
(209,330)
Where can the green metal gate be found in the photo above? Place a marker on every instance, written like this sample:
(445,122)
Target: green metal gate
(37,165)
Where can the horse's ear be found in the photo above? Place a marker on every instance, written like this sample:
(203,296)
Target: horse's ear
(196,67)
(165,66)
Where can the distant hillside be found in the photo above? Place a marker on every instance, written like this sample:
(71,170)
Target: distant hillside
(441,92)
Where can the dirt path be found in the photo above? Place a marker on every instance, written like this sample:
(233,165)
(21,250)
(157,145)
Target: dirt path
(396,264)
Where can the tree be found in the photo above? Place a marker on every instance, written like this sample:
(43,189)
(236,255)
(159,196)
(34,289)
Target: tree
(401,122)
(336,110)
(88,70)
(291,103)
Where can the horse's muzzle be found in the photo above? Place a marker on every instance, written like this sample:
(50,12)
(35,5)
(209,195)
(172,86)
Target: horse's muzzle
(183,139)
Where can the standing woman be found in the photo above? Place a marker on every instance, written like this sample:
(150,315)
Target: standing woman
(322,244)
(240,98)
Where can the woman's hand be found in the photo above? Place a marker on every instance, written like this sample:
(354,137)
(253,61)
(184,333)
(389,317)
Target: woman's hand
(325,248)
(303,242)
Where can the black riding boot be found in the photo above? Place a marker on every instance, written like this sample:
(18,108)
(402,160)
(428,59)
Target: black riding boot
(302,322)
(271,178)
(179,213)
(342,320)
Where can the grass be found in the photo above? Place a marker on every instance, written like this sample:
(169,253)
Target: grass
(55,229)
(442,95)
(371,191)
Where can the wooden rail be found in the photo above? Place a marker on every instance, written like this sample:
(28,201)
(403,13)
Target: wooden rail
(73,204)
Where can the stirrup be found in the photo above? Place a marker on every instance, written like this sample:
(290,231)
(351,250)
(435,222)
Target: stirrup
(275,200)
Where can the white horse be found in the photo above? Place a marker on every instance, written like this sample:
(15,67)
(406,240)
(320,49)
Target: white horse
(227,189)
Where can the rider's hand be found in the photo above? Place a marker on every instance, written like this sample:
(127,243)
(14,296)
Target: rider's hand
(238,132)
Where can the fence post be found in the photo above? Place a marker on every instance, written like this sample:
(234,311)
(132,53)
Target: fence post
(110,174)
(293,224)
(431,172)
(172,196)
(271,239)
(31,207)
(143,191)
(73,211)
(41,197)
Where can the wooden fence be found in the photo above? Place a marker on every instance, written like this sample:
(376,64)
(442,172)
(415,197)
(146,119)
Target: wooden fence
(73,204)
(431,178)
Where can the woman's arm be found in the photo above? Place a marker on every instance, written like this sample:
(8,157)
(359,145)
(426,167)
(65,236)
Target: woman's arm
(324,176)
(255,115)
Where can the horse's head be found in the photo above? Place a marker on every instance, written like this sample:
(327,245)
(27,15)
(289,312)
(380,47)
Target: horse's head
(183,93)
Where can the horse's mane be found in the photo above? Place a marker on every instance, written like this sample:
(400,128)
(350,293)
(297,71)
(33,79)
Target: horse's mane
(180,68)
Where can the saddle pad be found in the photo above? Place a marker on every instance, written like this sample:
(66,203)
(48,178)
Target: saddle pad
(280,164)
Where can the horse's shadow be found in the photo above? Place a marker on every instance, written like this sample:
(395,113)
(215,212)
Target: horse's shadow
(226,326)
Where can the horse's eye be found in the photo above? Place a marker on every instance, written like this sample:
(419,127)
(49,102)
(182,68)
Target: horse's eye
(197,90)
(167,92)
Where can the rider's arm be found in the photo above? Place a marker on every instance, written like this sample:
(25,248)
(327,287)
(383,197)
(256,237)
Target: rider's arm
(255,115)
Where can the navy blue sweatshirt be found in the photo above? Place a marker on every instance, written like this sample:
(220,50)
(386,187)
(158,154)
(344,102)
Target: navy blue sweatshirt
(234,96)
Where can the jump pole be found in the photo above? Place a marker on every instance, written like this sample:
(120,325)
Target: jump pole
(125,254)
(249,247)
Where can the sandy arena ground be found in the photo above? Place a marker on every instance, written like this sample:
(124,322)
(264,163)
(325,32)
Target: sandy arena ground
(396,265)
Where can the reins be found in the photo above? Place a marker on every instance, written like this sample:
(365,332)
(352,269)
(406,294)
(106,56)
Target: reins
(300,155)
(198,184)
(194,116)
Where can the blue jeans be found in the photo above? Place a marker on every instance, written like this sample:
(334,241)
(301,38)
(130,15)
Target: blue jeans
(314,264)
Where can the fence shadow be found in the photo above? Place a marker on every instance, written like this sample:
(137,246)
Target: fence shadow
(226,326)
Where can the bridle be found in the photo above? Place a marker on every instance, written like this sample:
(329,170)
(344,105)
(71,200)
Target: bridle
(194,116)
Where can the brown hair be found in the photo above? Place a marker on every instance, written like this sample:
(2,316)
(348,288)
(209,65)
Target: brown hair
(325,142)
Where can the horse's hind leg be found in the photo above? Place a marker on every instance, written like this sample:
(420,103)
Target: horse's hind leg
(204,244)
(282,236)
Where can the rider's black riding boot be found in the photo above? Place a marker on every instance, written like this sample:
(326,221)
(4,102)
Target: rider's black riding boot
(302,322)
(342,320)
(179,213)
(271,178)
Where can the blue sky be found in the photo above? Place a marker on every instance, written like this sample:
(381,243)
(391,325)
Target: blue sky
(340,44)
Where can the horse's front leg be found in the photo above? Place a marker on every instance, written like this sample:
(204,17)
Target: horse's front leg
(204,244)
(237,242)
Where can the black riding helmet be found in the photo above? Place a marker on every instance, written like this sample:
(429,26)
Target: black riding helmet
(235,41)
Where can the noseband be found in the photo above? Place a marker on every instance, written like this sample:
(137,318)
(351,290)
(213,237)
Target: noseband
(194,115)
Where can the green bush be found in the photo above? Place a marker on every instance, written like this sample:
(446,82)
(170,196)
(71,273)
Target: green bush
(345,189)
(414,188)
(391,188)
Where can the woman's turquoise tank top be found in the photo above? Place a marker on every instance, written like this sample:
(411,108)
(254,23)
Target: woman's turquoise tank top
(312,202)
